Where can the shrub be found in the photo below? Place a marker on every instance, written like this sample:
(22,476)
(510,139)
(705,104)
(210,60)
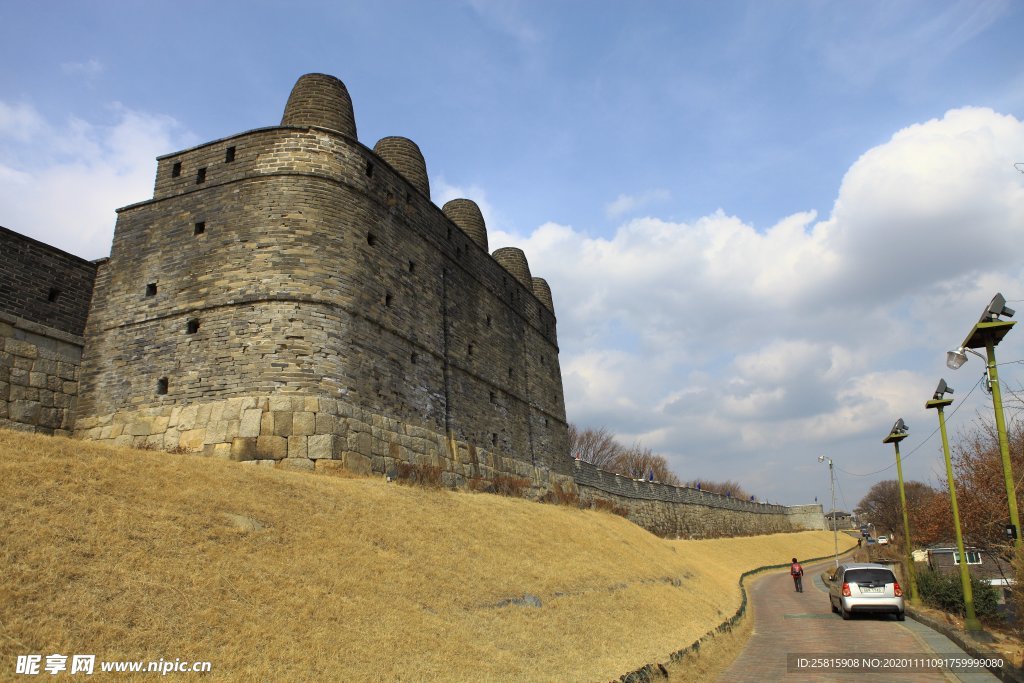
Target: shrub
(609,506)
(944,592)
(428,476)
(561,496)
(510,486)
(481,485)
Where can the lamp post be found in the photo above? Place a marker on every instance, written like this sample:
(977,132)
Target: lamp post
(897,434)
(832,483)
(939,402)
(987,332)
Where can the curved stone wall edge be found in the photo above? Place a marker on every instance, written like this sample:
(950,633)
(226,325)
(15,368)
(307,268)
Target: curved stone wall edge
(648,673)
(256,142)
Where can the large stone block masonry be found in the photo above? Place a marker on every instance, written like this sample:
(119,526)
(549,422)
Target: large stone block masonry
(290,297)
(297,268)
(44,301)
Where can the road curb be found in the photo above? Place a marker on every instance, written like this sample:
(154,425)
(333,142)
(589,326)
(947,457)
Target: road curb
(1007,672)
(648,672)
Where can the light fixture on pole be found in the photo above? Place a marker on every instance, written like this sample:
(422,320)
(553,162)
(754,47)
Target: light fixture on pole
(955,359)
(988,332)
(897,434)
(832,484)
(939,401)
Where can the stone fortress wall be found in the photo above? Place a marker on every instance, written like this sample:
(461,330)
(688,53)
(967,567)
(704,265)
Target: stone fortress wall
(292,298)
(44,302)
(302,293)
(680,511)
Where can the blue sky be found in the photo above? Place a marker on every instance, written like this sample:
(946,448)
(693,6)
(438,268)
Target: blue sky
(764,223)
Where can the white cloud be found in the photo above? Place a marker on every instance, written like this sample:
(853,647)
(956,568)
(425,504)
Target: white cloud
(19,122)
(907,38)
(88,69)
(62,182)
(938,195)
(629,203)
(442,192)
(507,18)
(714,337)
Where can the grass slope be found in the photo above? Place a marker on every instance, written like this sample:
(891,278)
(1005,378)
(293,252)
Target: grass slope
(275,575)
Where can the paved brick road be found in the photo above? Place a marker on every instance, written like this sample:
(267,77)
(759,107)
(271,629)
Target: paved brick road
(802,623)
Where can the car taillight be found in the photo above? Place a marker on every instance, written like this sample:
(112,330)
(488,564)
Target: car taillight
(896,589)
(846,590)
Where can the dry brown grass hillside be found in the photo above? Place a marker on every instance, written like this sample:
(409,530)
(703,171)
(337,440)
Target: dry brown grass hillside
(282,576)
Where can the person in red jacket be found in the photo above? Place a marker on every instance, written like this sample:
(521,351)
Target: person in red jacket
(797,572)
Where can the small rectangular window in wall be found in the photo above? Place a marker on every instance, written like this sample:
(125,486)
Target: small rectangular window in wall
(151,289)
(229,155)
(192,326)
(201,176)
(161,386)
(176,169)
(199,228)
(53,295)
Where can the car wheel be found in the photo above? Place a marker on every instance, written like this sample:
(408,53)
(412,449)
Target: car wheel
(844,612)
(901,616)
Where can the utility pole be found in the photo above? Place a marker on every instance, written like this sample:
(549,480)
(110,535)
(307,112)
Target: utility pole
(832,484)
(897,434)
(938,402)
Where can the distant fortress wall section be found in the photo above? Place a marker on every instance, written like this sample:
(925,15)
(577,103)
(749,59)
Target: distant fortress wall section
(808,516)
(683,512)
(290,295)
(44,302)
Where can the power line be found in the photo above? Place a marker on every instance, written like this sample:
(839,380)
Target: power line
(903,457)
(846,506)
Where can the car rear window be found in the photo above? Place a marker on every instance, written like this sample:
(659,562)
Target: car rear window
(873,576)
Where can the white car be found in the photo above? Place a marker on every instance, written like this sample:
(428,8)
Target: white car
(882,540)
(855,588)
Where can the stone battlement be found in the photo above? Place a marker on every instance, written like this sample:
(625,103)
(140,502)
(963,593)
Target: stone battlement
(295,262)
(291,297)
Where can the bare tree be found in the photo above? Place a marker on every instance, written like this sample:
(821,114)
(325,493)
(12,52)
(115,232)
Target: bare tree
(599,446)
(881,506)
(596,446)
(980,482)
(725,488)
(638,462)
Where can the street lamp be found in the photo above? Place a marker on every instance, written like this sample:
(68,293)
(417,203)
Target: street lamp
(897,434)
(939,401)
(987,332)
(832,483)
